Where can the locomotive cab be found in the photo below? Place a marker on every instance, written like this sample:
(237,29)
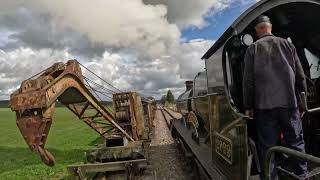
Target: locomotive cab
(233,134)
(287,23)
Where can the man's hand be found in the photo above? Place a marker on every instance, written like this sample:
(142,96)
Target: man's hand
(249,113)
(302,112)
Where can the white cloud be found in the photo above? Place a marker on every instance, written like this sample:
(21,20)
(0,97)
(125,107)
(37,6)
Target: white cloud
(126,72)
(134,46)
(22,63)
(126,23)
(186,13)
(156,76)
(189,57)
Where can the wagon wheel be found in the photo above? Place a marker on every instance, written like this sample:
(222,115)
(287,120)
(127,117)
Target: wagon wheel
(193,124)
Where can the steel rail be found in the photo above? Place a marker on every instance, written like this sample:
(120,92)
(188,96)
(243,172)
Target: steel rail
(197,154)
(197,97)
(164,116)
(170,114)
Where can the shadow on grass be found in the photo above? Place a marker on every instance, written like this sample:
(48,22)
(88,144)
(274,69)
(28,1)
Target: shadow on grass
(15,158)
(99,140)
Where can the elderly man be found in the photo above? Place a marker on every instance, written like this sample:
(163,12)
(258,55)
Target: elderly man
(273,79)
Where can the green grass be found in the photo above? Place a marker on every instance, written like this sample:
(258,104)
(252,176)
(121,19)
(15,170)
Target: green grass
(68,139)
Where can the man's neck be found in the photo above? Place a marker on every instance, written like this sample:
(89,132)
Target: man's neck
(266,34)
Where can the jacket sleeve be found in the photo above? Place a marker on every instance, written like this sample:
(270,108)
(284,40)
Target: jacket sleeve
(300,84)
(248,80)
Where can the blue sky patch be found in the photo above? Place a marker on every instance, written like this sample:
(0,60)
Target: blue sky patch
(217,23)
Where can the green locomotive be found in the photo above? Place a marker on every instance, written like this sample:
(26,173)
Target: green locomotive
(215,132)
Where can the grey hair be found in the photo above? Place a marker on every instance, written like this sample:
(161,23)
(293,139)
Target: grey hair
(264,24)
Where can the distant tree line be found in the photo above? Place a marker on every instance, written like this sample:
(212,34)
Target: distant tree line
(5,103)
(169,98)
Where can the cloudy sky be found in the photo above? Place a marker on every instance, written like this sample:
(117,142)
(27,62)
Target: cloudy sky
(148,46)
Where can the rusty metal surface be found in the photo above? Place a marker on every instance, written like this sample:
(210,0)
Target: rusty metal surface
(131,166)
(134,150)
(149,109)
(128,110)
(34,105)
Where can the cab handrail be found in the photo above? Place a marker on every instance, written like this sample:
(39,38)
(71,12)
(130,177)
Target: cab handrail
(289,152)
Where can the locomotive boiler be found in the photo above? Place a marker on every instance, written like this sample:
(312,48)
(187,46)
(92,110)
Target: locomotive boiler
(193,103)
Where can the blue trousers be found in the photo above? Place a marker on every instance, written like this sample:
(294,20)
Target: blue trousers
(270,123)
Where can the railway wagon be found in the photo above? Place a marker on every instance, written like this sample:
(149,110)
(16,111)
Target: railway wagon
(215,130)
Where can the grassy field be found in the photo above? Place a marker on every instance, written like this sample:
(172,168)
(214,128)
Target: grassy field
(68,139)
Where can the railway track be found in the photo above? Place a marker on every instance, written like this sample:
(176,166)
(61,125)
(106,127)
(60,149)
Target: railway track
(165,160)
(165,113)
(197,154)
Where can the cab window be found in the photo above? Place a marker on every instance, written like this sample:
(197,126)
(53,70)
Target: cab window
(314,64)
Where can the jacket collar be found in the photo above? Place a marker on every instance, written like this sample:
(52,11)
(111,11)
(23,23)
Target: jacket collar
(266,35)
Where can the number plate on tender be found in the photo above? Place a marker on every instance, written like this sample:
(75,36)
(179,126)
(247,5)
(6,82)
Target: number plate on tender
(223,146)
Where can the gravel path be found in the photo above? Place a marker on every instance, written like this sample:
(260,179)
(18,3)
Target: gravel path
(162,134)
(165,160)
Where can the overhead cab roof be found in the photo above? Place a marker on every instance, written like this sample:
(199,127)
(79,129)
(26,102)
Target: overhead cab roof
(246,18)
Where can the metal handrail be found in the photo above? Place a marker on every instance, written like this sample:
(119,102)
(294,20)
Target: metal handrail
(313,110)
(305,104)
(196,97)
(287,151)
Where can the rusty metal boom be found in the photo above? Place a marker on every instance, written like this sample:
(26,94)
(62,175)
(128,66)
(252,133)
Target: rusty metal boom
(34,104)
